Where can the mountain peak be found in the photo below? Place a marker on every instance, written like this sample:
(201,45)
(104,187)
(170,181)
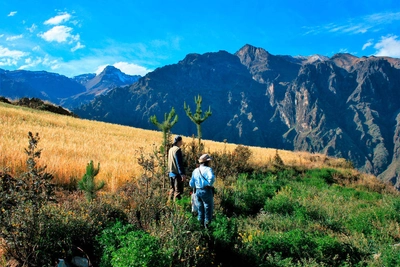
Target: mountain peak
(344,60)
(252,52)
(109,70)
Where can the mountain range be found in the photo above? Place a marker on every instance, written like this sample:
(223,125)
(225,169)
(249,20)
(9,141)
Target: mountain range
(59,89)
(343,106)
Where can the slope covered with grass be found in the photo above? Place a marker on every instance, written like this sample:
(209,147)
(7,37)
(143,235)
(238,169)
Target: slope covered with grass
(70,143)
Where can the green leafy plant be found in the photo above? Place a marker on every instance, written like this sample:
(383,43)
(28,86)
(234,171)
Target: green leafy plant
(88,184)
(123,245)
(110,241)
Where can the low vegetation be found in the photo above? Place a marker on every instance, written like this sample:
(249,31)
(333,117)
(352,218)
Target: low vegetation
(271,209)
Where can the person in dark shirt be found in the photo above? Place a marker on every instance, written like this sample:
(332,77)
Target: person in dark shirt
(176,170)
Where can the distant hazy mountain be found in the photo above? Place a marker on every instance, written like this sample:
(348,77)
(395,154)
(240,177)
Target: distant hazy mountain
(41,84)
(343,106)
(96,85)
(59,89)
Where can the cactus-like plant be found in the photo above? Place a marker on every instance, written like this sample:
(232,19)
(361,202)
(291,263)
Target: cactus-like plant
(170,119)
(88,184)
(197,117)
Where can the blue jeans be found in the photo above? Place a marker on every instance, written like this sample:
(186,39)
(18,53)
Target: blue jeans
(205,203)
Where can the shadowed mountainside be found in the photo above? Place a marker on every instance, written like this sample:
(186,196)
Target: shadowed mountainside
(342,106)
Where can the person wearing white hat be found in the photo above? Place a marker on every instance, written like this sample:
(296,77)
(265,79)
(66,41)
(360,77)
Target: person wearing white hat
(202,180)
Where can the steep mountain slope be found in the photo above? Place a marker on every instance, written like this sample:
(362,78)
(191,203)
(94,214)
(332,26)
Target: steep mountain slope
(220,78)
(343,106)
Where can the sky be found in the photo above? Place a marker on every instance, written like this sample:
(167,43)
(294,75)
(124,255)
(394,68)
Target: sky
(73,37)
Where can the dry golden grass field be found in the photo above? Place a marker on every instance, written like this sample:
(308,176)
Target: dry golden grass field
(68,144)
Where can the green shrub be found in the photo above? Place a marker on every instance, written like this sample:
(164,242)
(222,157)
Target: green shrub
(110,241)
(319,177)
(282,204)
(298,246)
(248,195)
(390,256)
(224,230)
(138,248)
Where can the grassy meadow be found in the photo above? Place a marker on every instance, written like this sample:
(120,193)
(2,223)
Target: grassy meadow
(68,144)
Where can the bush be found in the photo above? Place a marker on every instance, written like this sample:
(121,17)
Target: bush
(182,235)
(110,241)
(282,204)
(298,245)
(140,249)
(248,195)
(227,164)
(224,230)
(22,202)
(320,177)
(123,245)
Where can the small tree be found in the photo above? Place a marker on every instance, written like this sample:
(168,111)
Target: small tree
(22,200)
(278,162)
(197,117)
(170,119)
(88,184)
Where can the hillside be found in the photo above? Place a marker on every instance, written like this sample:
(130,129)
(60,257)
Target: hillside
(309,210)
(343,106)
(70,143)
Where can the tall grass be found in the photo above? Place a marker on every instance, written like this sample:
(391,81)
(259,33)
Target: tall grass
(69,144)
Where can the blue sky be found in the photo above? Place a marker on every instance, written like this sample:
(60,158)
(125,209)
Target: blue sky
(75,37)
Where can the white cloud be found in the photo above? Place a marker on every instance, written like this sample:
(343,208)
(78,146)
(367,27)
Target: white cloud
(100,69)
(7,62)
(45,61)
(15,37)
(58,34)
(382,18)
(388,46)
(77,46)
(10,57)
(12,13)
(63,17)
(358,25)
(368,44)
(30,63)
(173,42)
(131,69)
(5,52)
(32,28)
